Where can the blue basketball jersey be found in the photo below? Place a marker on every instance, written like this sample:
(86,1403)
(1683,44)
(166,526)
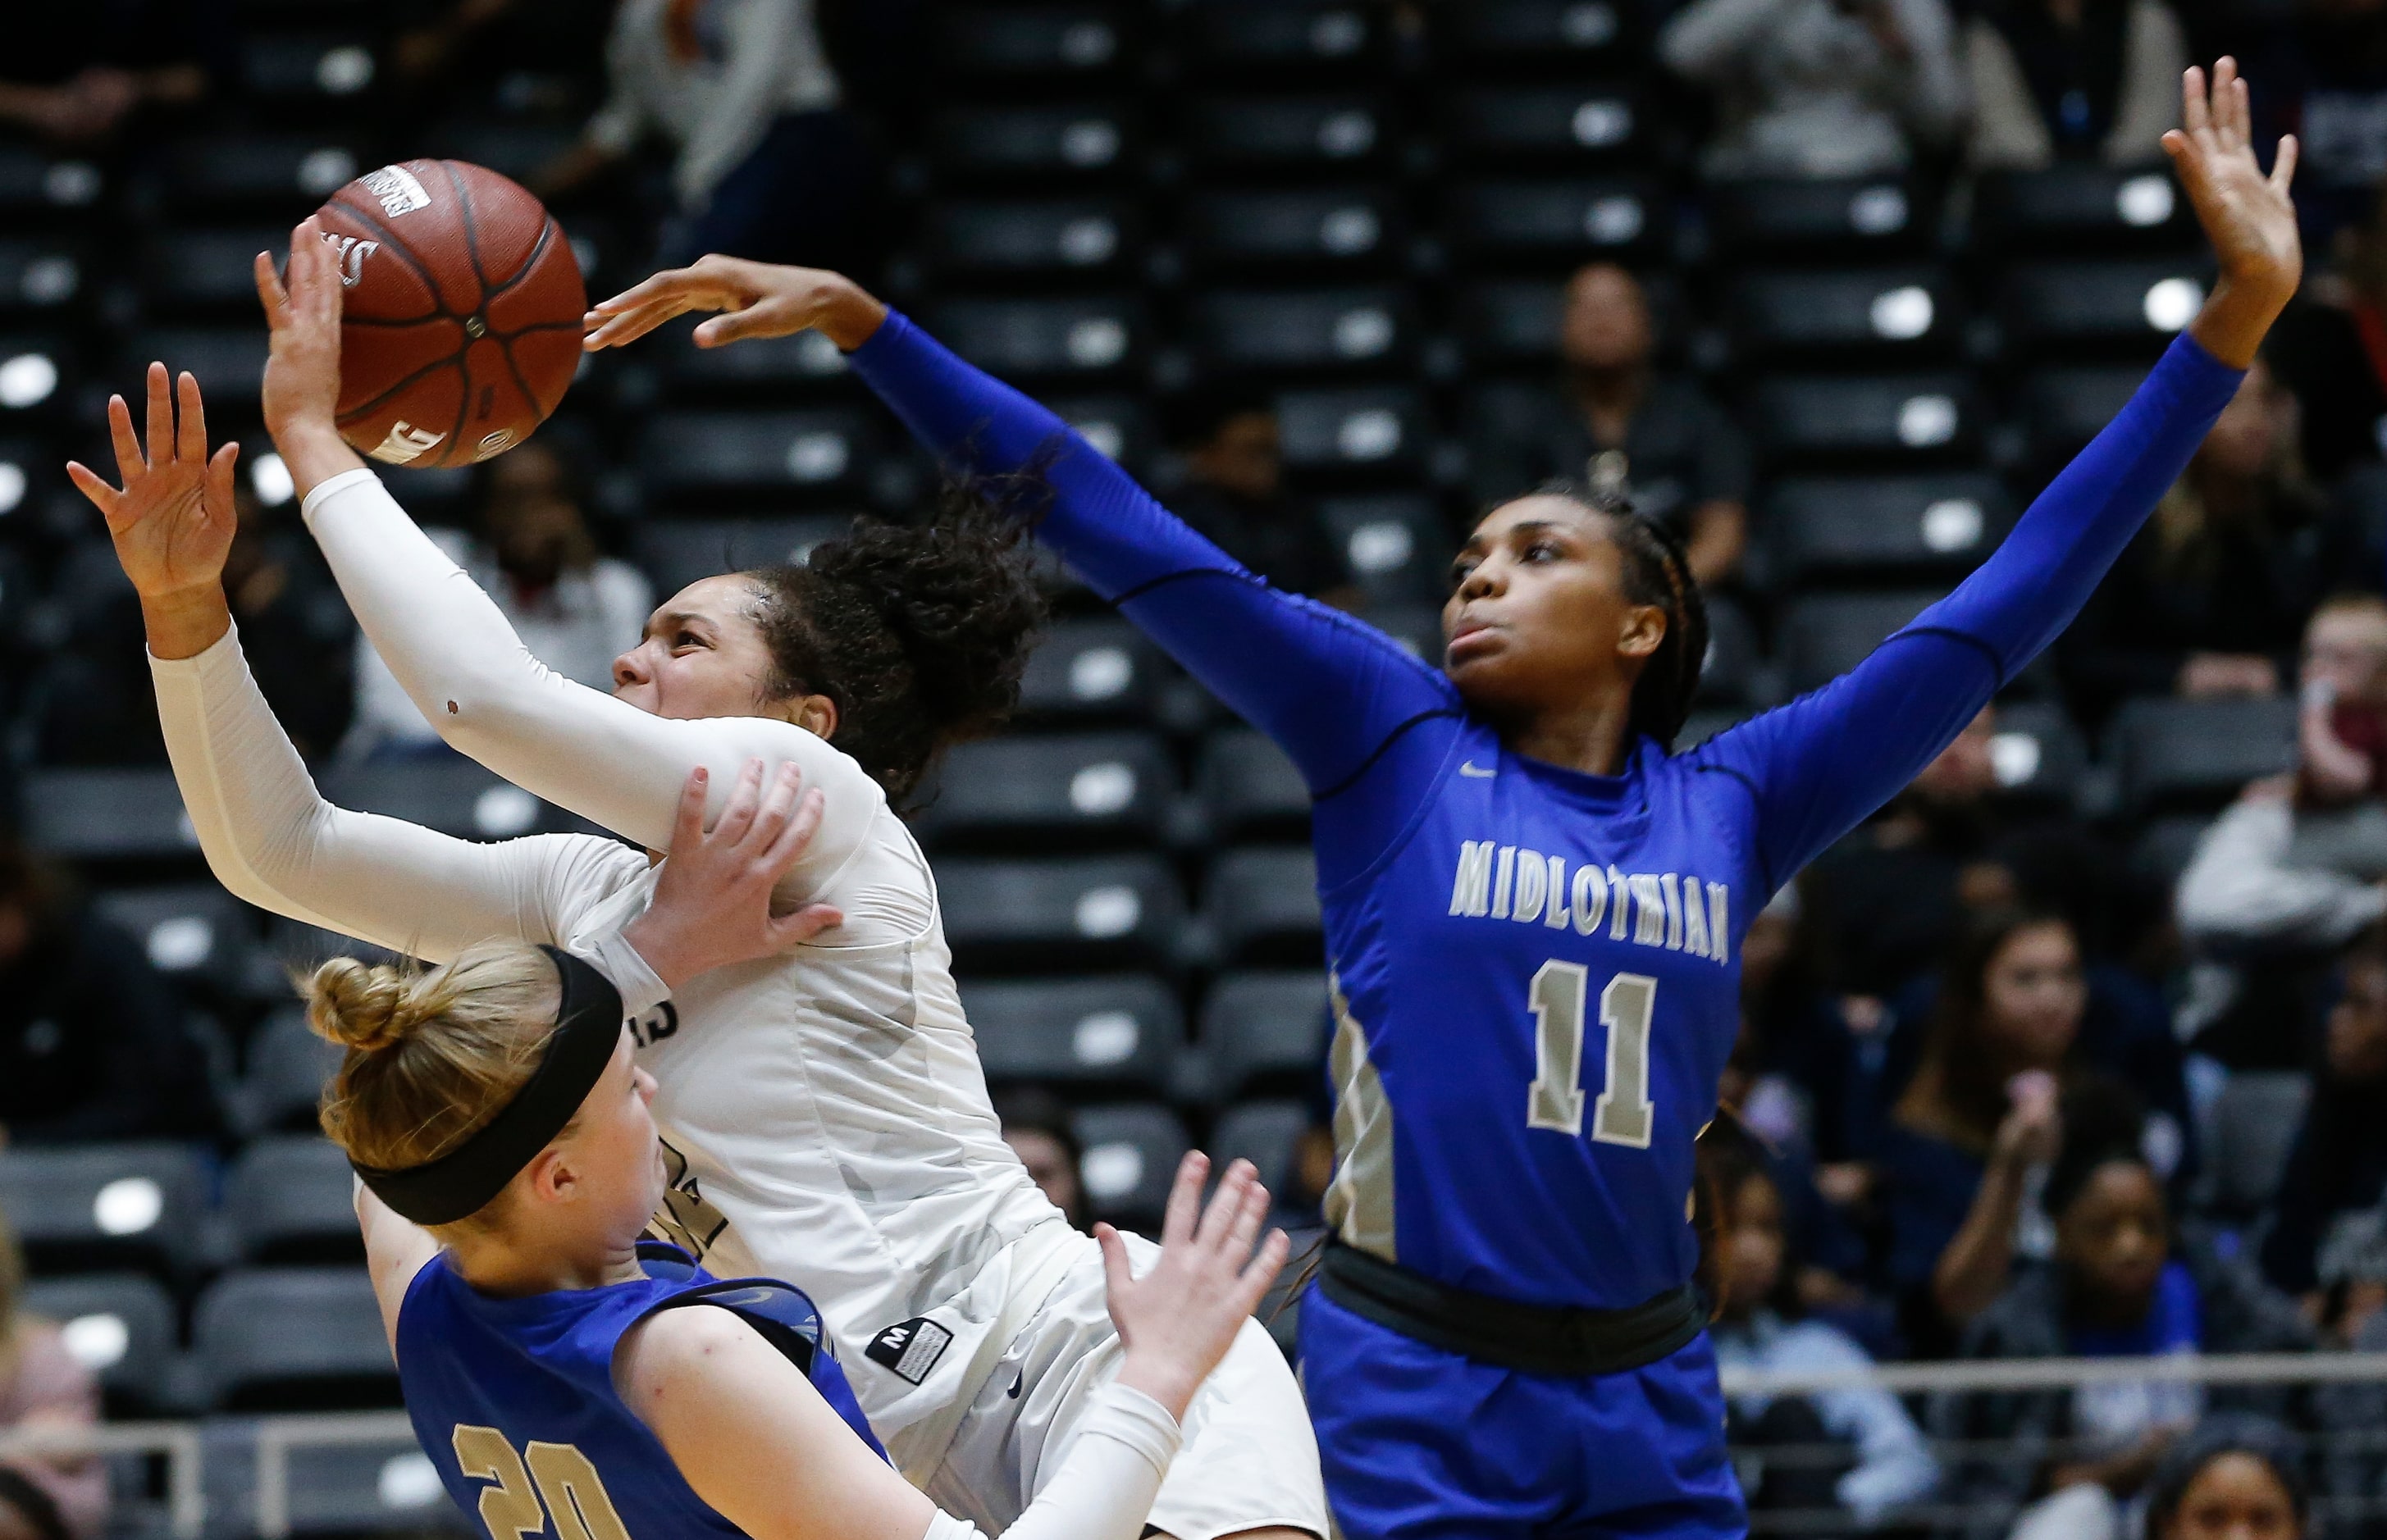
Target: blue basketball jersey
(514,1399)
(1536,971)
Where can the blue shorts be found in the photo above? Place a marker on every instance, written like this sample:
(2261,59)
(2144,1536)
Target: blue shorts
(1421,1444)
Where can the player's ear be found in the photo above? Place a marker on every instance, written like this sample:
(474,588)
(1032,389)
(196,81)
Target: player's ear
(1643,629)
(814,713)
(551,1177)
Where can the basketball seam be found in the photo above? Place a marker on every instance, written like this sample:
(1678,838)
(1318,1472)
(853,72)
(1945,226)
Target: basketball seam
(472,231)
(538,249)
(453,360)
(396,246)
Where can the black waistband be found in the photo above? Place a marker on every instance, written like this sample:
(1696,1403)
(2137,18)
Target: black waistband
(1536,1339)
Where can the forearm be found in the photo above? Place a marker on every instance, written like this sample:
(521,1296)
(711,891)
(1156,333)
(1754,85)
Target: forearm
(462,663)
(1104,1488)
(1972,1271)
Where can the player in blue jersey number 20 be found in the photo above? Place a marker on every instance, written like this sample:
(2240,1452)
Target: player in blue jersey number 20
(1533,906)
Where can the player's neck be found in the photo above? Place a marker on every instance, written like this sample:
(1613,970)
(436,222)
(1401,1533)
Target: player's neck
(506,1268)
(1592,737)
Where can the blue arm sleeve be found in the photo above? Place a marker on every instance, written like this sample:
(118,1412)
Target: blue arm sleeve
(1333,692)
(1823,763)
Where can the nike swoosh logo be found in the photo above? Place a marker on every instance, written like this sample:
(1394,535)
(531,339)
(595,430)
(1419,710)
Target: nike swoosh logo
(1017,1381)
(1468,767)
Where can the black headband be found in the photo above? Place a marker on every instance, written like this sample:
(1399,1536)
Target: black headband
(587,1031)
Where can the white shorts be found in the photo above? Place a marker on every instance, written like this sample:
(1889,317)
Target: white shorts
(1249,1459)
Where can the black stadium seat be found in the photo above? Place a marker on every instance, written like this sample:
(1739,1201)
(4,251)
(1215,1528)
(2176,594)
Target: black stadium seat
(1851,218)
(2133,305)
(1027,44)
(1823,635)
(1817,419)
(1302,38)
(218,175)
(2081,205)
(189,271)
(291,1198)
(675,553)
(1131,1154)
(1265,1033)
(1268,1135)
(1040,793)
(1819,528)
(1032,141)
(228,361)
(1284,134)
(1538,35)
(107,814)
(817,455)
(38,375)
(1505,124)
(1261,905)
(285,1073)
(121,1327)
(2037,754)
(1092,337)
(1349,228)
(1122,1030)
(1073,238)
(517,148)
(2179,754)
(1395,547)
(318,70)
(1905,312)
(1506,323)
(450,794)
(293,1339)
(197,934)
(1094,670)
(39,278)
(41,190)
(1118,426)
(1330,330)
(1249,788)
(805,364)
(1088,912)
(1728,674)
(2065,408)
(1552,223)
(81,1207)
(1377,430)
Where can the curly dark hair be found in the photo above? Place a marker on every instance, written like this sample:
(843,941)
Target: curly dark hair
(1656,571)
(918,633)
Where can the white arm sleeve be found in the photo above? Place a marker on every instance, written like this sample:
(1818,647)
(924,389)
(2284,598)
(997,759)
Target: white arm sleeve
(273,840)
(468,673)
(1104,1487)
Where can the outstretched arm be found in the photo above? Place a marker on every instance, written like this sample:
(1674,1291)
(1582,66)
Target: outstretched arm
(1827,761)
(1331,690)
(458,658)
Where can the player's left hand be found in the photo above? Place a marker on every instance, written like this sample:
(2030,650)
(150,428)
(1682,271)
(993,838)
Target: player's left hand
(173,521)
(713,898)
(759,300)
(302,310)
(2247,216)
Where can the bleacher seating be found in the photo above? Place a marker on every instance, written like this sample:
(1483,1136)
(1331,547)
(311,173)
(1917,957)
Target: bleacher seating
(1121,1031)
(293,1337)
(92,1207)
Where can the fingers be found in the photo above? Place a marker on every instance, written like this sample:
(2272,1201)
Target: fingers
(687,819)
(1117,1276)
(160,426)
(1234,1191)
(1184,1199)
(780,797)
(191,435)
(639,296)
(1265,1264)
(130,461)
(805,924)
(745,798)
(2283,169)
(2229,110)
(789,846)
(2195,114)
(763,320)
(269,292)
(103,497)
(219,478)
(1244,1226)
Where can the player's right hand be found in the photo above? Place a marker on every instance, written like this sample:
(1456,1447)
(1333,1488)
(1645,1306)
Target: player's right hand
(757,298)
(1178,1320)
(172,523)
(302,310)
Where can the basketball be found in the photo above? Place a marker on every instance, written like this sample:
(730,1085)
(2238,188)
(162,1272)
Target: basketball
(461,308)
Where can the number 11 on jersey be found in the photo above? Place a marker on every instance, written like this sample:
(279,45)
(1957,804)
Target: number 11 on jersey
(1623,1115)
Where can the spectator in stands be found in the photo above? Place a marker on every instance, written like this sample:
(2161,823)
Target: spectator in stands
(2336,1167)
(533,553)
(2122,1282)
(2294,868)
(1759,1326)
(93,1042)
(43,1385)
(74,75)
(1036,1125)
(1820,87)
(2210,597)
(2072,80)
(1616,422)
(768,163)
(1982,1112)
(1225,436)
(2235,1476)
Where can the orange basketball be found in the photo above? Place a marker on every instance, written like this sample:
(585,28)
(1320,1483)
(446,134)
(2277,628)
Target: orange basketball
(461,325)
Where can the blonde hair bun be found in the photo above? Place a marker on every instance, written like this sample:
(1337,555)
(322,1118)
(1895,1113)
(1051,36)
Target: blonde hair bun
(371,1006)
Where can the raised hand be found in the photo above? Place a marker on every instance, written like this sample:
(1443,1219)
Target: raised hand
(302,373)
(173,519)
(712,899)
(1178,1320)
(2247,216)
(760,300)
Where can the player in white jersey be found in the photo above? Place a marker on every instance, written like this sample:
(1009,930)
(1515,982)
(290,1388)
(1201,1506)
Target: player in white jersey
(827,1115)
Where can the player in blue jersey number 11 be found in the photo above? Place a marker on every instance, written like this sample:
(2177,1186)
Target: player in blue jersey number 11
(1533,904)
